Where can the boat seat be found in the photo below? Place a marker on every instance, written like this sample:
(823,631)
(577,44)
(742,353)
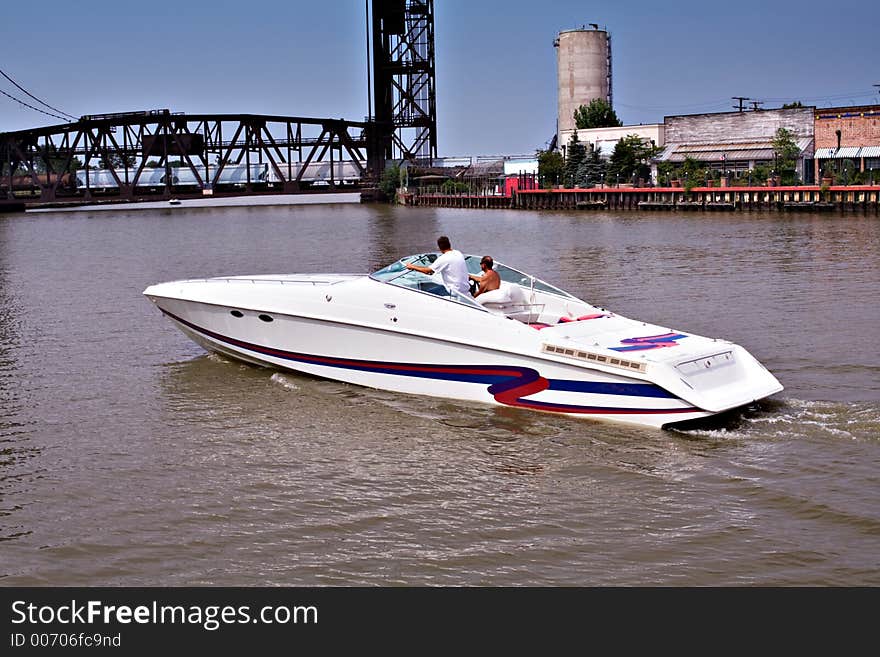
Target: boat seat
(510,300)
(504,295)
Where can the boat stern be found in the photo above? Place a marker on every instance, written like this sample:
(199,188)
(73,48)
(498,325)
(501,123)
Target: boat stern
(720,379)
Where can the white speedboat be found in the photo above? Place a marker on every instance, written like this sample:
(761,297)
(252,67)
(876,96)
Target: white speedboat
(533,346)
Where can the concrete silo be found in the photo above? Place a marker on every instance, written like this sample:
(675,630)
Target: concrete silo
(583,66)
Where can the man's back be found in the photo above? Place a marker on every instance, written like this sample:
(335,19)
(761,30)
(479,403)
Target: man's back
(491,281)
(451,266)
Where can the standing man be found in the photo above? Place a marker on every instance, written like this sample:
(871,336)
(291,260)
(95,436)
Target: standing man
(450,265)
(490,280)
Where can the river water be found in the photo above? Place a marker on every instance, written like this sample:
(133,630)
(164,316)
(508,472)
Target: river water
(129,456)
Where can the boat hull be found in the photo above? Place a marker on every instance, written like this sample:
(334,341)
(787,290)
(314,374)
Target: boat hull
(374,357)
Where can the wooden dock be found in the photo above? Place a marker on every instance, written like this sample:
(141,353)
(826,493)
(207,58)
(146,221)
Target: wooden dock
(804,198)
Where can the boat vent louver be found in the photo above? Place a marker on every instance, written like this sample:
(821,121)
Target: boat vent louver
(612,361)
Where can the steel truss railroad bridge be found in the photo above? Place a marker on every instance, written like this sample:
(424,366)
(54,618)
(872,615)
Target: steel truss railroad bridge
(156,153)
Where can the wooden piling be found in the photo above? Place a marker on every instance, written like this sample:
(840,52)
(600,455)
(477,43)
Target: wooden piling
(863,198)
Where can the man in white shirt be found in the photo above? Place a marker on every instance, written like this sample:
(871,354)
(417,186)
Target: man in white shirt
(450,265)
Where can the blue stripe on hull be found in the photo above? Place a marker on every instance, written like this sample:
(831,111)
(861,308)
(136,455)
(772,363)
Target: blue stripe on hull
(504,381)
(600,388)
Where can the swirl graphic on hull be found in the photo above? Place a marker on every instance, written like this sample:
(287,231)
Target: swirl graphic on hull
(650,342)
(526,382)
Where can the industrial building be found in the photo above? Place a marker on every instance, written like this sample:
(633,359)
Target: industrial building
(605,139)
(843,140)
(737,142)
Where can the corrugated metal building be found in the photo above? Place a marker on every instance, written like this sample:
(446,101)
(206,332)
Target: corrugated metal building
(738,141)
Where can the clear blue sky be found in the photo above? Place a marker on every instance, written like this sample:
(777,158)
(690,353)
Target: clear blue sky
(496,65)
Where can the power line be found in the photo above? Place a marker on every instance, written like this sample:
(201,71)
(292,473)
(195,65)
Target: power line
(42,102)
(21,102)
(709,105)
(846,96)
(706,105)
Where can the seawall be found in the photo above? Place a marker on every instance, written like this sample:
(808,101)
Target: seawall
(805,197)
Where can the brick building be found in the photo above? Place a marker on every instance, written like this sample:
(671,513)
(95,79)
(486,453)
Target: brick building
(848,138)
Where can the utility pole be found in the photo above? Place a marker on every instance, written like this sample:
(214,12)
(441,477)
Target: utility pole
(755,103)
(740,99)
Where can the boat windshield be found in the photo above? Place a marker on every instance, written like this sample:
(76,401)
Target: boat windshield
(511,275)
(397,274)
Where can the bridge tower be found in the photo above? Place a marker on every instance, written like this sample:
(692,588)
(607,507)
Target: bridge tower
(403,91)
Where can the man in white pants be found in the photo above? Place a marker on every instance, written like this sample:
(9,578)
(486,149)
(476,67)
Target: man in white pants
(450,265)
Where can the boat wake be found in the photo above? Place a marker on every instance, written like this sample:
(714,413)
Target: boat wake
(284,380)
(794,418)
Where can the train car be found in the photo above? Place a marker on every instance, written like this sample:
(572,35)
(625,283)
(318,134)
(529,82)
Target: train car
(232,175)
(22,183)
(102,179)
(237,174)
(344,172)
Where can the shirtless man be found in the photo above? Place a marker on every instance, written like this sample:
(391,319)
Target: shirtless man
(490,280)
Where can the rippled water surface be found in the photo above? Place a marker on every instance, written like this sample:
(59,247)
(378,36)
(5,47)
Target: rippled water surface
(128,456)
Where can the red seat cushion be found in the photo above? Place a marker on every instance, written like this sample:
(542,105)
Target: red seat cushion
(582,317)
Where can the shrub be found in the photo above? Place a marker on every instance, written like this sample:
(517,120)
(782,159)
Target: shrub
(390,181)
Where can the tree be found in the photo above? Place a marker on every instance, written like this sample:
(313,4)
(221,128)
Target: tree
(591,171)
(760,173)
(390,181)
(795,105)
(575,154)
(116,161)
(55,159)
(786,151)
(630,159)
(829,168)
(692,173)
(598,114)
(549,167)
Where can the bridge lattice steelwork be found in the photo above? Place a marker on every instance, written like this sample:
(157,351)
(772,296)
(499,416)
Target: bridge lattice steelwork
(158,153)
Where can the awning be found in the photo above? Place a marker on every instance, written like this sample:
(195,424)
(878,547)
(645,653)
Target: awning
(727,152)
(666,153)
(847,152)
